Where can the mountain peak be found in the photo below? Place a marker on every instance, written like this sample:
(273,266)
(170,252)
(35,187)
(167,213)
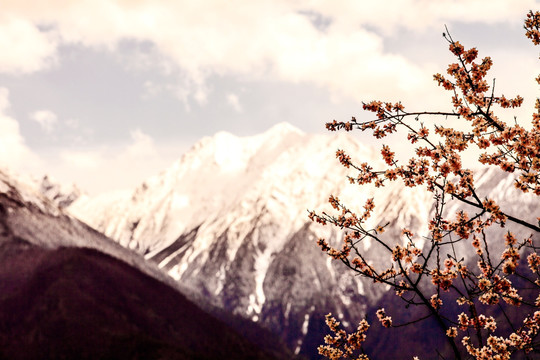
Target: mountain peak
(283,128)
(232,153)
(61,195)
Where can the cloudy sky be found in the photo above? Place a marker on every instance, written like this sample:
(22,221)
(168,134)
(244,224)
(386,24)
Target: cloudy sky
(106,93)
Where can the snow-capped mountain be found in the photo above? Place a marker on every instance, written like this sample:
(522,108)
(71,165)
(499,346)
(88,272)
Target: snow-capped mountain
(68,291)
(229,219)
(30,215)
(60,194)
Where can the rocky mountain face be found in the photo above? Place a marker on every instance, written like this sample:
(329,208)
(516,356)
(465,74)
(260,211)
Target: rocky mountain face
(229,220)
(67,291)
(59,194)
(29,215)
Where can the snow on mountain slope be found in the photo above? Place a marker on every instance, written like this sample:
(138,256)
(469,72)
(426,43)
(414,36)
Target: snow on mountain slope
(204,182)
(28,214)
(282,171)
(230,220)
(62,196)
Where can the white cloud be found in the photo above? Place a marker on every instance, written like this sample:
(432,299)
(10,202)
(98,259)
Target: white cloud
(46,119)
(272,39)
(95,169)
(72,123)
(82,160)
(109,167)
(196,41)
(121,157)
(24,47)
(142,146)
(14,153)
(392,15)
(234,102)
(4,99)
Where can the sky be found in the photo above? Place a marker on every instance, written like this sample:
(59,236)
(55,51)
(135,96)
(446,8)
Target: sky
(106,93)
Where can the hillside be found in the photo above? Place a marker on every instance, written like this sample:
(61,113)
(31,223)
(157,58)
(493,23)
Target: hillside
(67,291)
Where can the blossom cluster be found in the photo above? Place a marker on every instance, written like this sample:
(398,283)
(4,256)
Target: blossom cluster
(421,276)
(343,345)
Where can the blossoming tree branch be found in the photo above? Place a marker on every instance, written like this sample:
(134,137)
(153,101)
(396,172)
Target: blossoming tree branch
(488,281)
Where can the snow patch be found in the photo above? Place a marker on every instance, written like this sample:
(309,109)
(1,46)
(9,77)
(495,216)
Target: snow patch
(168,259)
(229,154)
(179,201)
(261,265)
(177,271)
(287,310)
(330,267)
(360,287)
(305,324)
(220,280)
(345,299)
(254,306)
